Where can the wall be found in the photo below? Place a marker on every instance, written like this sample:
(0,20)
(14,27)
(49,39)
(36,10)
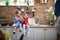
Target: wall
(40,10)
(8,12)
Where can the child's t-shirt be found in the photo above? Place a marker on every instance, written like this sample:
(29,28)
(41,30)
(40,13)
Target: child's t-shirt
(15,21)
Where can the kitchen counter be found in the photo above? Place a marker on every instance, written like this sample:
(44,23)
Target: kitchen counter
(42,26)
(31,26)
(35,33)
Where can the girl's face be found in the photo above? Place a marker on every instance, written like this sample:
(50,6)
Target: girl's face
(26,15)
(18,14)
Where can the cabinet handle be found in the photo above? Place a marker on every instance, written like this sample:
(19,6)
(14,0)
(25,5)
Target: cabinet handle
(45,29)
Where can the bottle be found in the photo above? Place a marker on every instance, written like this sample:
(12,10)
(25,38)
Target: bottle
(7,2)
(7,35)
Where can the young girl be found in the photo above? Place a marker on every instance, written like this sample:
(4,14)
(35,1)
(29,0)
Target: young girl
(26,24)
(17,21)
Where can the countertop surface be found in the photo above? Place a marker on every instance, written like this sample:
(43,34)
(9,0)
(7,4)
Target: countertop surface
(31,26)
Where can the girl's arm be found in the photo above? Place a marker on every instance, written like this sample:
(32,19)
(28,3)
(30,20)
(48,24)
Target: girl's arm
(21,18)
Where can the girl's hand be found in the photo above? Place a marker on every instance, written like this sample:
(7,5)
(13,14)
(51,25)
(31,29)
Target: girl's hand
(17,18)
(21,18)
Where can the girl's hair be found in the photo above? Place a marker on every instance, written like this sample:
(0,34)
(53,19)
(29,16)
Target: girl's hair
(16,12)
(19,8)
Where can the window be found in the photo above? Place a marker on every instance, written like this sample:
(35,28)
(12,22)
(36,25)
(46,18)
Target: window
(54,1)
(2,2)
(17,2)
(31,2)
(21,2)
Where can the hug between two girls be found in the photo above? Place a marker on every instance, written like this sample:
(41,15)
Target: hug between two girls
(22,22)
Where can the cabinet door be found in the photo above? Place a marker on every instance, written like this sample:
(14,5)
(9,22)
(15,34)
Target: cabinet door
(14,36)
(39,34)
(51,34)
(10,30)
(31,36)
(4,30)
